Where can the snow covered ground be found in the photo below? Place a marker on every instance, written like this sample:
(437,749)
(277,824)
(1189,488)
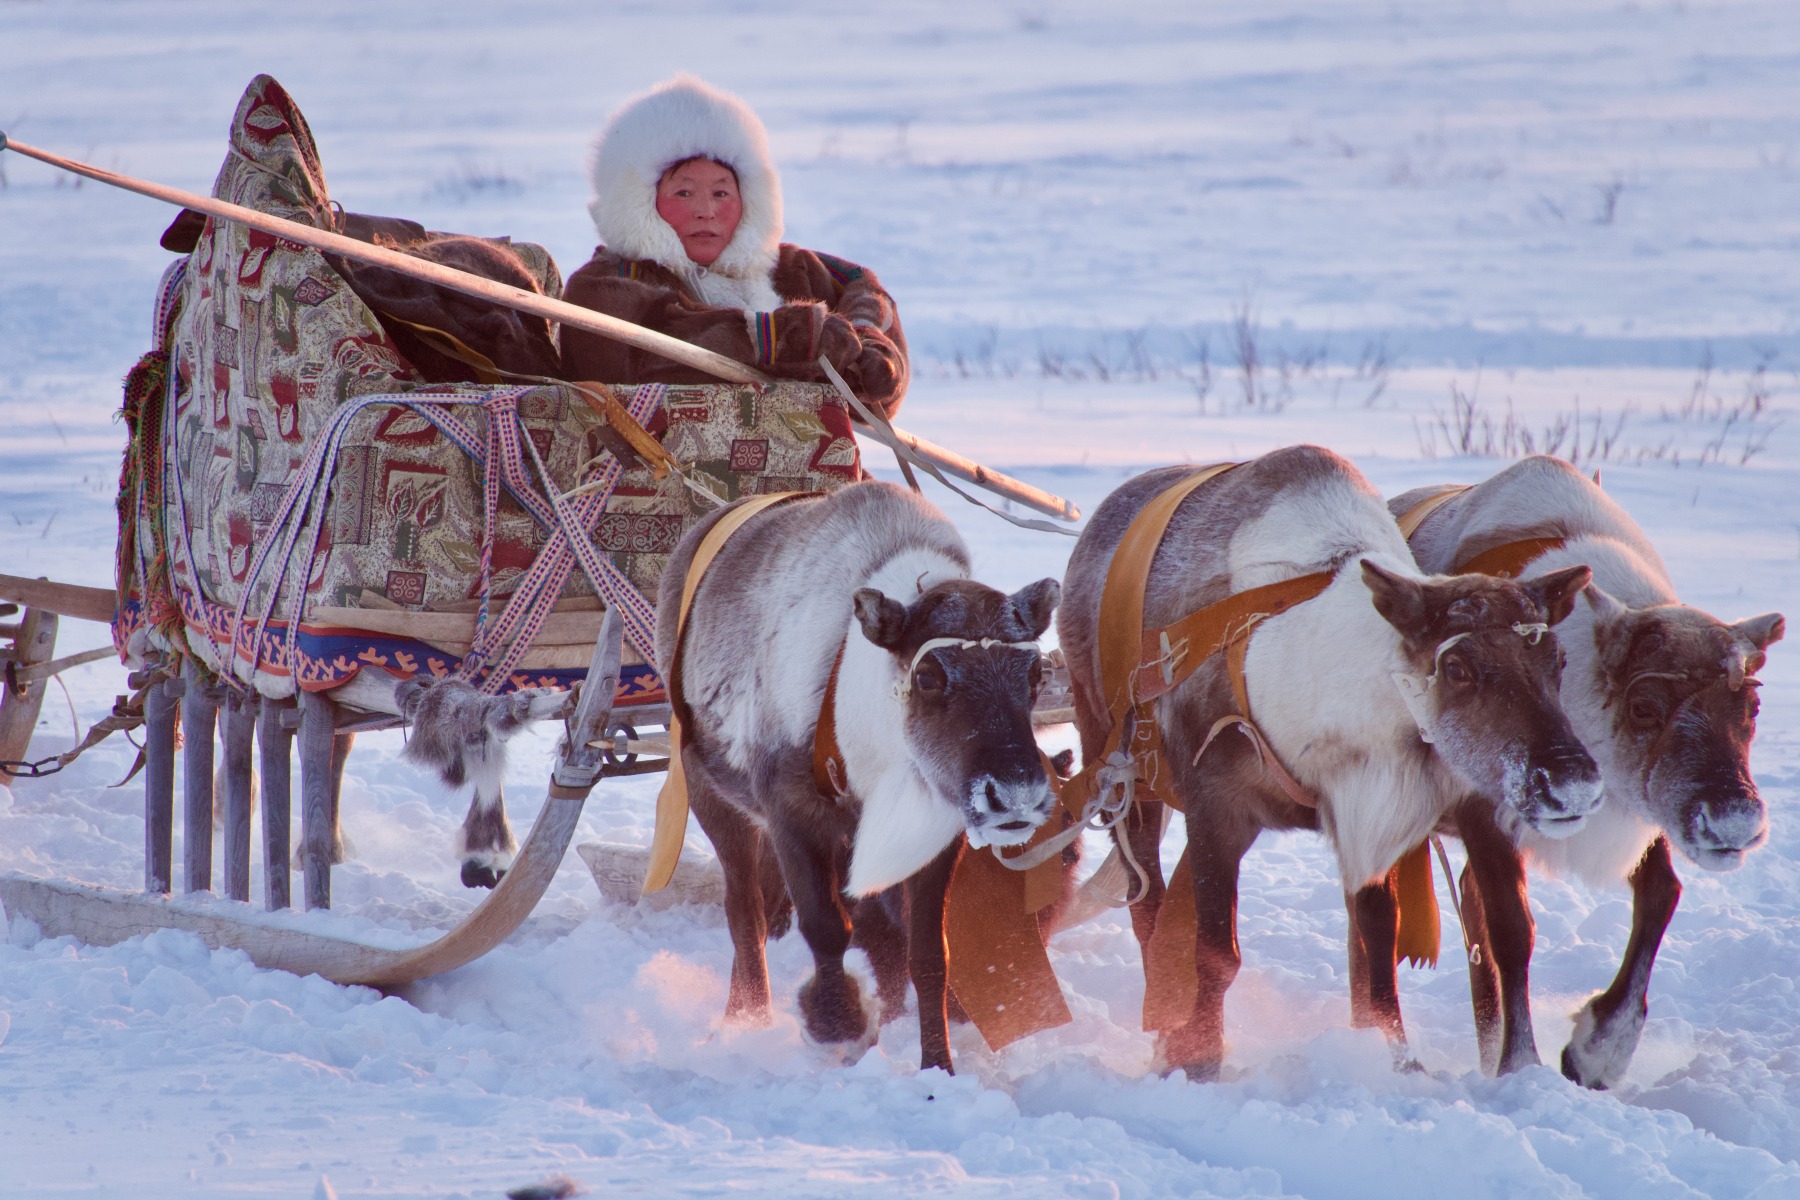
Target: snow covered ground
(1423,216)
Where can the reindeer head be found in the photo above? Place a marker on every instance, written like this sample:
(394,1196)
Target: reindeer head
(969,670)
(1678,708)
(1482,681)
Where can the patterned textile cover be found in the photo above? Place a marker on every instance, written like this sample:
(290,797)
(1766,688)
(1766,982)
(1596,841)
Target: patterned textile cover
(266,341)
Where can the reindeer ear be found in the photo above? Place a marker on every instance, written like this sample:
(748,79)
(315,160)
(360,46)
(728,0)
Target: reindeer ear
(1557,590)
(1613,626)
(1034,606)
(1399,600)
(883,620)
(1761,632)
(1606,609)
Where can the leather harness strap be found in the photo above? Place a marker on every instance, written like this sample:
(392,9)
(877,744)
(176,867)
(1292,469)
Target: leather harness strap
(828,760)
(1509,560)
(1414,517)
(672,801)
(1506,560)
(1138,666)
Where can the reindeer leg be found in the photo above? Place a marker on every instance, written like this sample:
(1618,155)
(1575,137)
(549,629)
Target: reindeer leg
(1484,980)
(1362,1008)
(884,940)
(341,745)
(1499,873)
(811,855)
(1375,912)
(925,894)
(1609,1026)
(1214,855)
(741,848)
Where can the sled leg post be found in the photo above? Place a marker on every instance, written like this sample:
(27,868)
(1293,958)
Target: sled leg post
(274,740)
(33,641)
(162,707)
(318,715)
(199,716)
(240,738)
(340,755)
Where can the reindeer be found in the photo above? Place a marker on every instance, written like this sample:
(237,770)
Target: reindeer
(1664,697)
(1390,697)
(934,680)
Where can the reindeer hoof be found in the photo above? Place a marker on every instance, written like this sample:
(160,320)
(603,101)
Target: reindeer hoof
(1200,1058)
(481,875)
(1602,1047)
(833,1010)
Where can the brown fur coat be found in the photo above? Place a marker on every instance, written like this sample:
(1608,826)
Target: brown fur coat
(832,307)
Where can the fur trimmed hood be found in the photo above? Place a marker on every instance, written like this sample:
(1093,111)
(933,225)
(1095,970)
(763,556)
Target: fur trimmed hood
(675,121)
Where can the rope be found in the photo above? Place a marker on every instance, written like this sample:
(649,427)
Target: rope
(302,510)
(1472,949)
(879,426)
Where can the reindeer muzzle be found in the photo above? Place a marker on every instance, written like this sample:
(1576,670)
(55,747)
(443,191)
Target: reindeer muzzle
(1555,793)
(1726,827)
(1000,812)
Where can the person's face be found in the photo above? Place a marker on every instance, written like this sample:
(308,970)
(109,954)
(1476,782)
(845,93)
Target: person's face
(699,199)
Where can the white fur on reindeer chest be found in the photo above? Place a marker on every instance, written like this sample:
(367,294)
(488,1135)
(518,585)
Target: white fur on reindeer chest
(902,825)
(1320,681)
(1320,677)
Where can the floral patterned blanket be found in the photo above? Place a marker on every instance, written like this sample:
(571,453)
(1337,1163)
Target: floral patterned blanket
(260,344)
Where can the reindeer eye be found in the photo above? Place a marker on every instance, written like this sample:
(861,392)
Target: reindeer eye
(930,678)
(1456,671)
(1644,711)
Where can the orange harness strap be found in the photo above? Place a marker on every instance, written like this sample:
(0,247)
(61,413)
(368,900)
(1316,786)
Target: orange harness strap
(828,760)
(1138,666)
(1510,560)
(672,801)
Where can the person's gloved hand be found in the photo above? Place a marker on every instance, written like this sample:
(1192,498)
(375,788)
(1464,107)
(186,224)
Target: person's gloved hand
(879,370)
(840,346)
(803,332)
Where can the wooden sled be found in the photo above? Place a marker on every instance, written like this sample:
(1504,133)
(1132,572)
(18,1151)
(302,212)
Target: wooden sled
(216,374)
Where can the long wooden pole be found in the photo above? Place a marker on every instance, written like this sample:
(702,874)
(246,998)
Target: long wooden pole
(717,365)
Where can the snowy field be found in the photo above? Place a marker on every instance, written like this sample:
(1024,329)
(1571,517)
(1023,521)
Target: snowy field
(1439,234)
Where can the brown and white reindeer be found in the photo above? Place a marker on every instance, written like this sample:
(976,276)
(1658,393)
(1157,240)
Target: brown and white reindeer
(1328,683)
(935,676)
(1663,695)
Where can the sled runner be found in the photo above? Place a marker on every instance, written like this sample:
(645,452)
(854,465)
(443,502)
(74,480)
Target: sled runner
(306,521)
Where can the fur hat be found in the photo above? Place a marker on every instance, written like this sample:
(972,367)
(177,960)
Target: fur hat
(673,122)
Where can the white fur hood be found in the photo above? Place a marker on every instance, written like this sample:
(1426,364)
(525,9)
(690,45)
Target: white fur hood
(674,121)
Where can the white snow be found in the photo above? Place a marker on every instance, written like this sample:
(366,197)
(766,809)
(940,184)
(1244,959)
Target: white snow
(1537,205)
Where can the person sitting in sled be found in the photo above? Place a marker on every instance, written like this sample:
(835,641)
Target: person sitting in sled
(688,207)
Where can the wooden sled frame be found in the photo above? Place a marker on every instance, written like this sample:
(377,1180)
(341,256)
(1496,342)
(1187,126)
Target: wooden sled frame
(593,748)
(105,916)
